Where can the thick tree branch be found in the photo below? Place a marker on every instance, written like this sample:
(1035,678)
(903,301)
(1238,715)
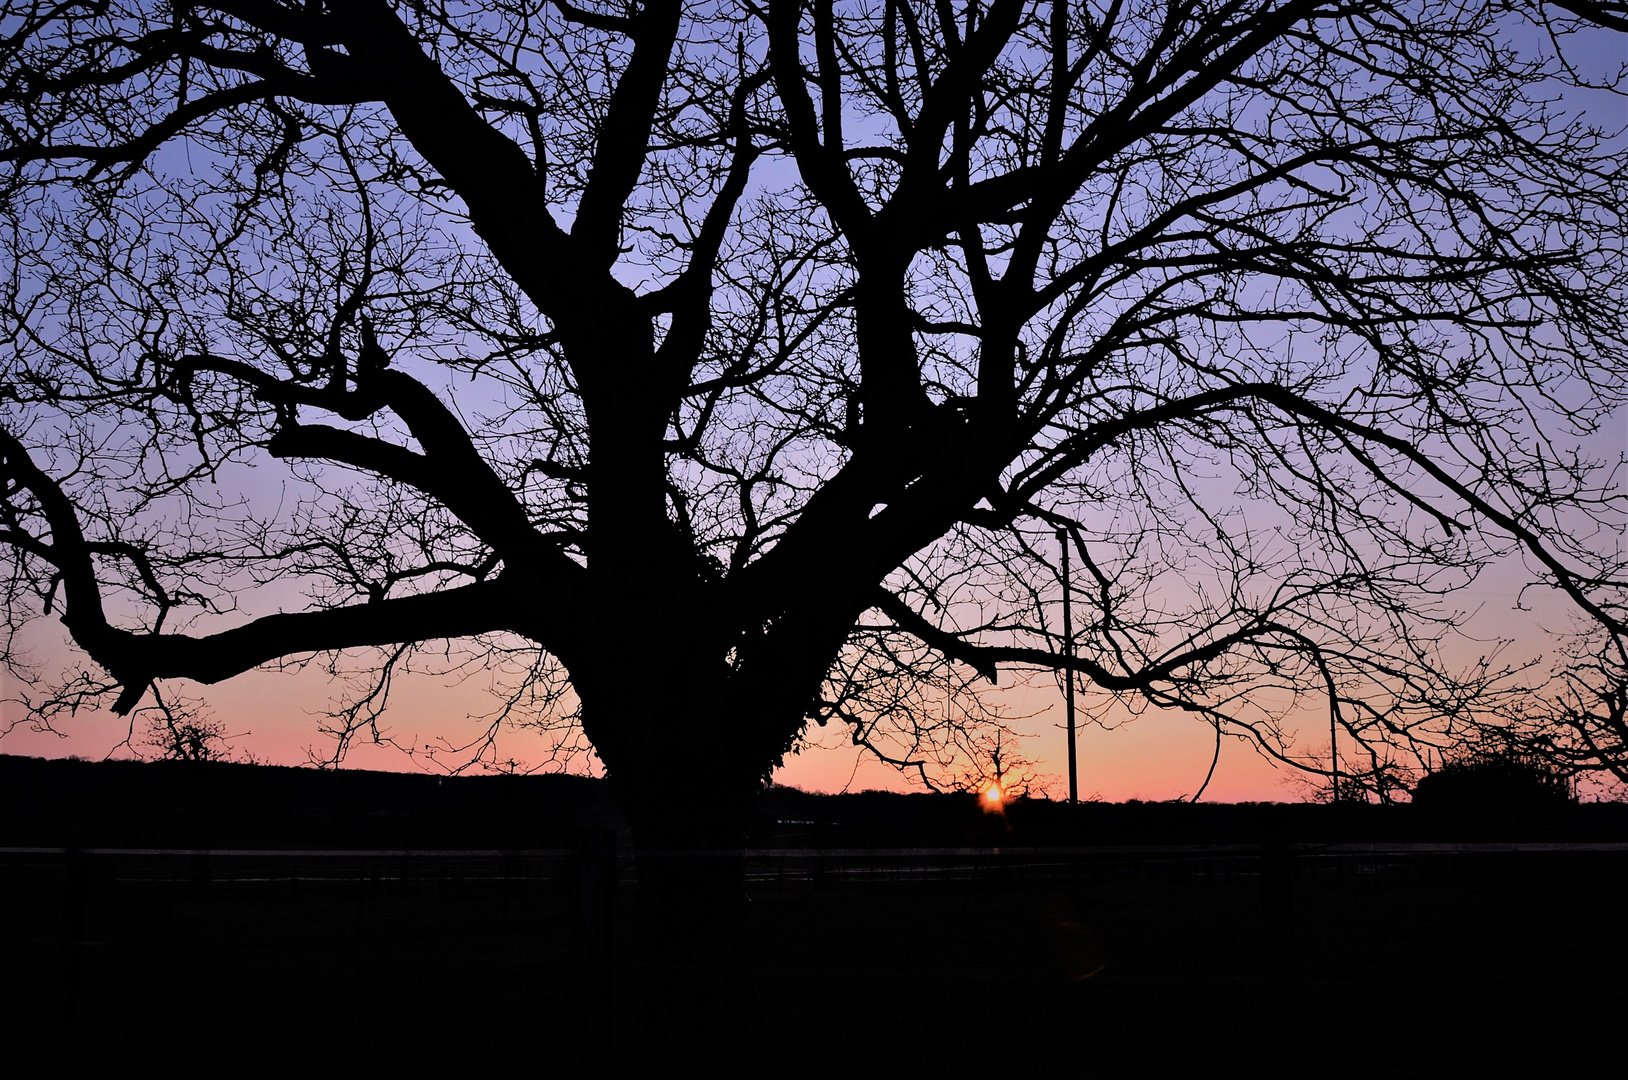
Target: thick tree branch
(136,659)
(1611,14)
(822,164)
(451,469)
(985,659)
(624,136)
(487,169)
(689,296)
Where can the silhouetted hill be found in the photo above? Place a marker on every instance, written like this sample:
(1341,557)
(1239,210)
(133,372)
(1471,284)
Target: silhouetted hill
(227,805)
(224,805)
(877,818)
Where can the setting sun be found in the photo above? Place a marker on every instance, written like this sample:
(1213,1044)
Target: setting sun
(993,796)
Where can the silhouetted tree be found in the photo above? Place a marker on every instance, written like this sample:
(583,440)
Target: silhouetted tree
(1494,782)
(706,370)
(179,731)
(1579,725)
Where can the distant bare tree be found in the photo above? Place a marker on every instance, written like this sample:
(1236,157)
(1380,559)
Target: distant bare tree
(180,731)
(712,369)
(1578,725)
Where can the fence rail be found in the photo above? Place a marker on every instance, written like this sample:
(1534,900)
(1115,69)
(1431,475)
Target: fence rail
(782,869)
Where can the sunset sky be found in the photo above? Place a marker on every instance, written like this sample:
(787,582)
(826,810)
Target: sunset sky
(1157,757)
(275,718)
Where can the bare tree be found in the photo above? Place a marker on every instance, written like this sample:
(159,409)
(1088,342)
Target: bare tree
(181,731)
(716,369)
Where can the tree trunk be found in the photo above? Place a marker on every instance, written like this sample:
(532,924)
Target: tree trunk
(696,992)
(686,759)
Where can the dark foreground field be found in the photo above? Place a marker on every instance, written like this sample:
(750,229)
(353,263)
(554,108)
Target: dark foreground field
(1390,957)
(1119,963)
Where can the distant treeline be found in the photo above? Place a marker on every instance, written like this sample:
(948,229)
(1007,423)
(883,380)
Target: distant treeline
(174,804)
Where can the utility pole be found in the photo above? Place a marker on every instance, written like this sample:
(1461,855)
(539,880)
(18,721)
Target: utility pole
(1334,751)
(1068,674)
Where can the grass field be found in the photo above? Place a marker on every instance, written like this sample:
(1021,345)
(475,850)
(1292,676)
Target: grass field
(1129,964)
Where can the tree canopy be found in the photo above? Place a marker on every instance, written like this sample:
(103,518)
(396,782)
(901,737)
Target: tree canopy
(713,369)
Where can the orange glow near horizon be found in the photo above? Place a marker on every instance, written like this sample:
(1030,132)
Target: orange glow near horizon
(994,796)
(273,717)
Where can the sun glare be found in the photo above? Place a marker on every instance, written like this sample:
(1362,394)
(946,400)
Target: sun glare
(993,795)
